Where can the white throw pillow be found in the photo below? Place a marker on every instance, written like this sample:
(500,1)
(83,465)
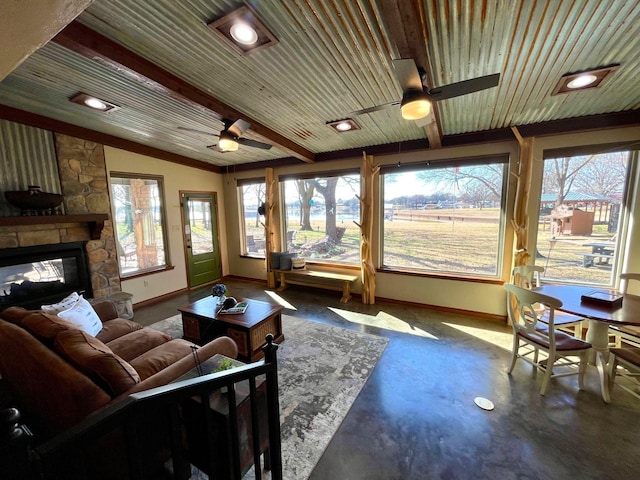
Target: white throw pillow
(84,316)
(64,304)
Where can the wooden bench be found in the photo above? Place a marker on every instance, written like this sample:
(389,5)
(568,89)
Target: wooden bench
(588,259)
(306,277)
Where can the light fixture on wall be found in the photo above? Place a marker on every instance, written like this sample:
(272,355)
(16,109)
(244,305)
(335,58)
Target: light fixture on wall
(415,104)
(92,102)
(572,82)
(243,30)
(344,125)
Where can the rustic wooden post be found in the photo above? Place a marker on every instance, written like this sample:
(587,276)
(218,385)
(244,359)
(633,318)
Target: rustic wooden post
(520,219)
(272,237)
(369,174)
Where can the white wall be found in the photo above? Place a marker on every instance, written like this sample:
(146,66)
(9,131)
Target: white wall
(176,178)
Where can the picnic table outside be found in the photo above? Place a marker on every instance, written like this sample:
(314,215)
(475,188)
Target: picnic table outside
(602,251)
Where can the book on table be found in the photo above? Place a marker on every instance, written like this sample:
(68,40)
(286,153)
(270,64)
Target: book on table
(603,297)
(238,308)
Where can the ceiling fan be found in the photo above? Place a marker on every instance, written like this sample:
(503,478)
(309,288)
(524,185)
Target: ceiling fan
(231,136)
(417,98)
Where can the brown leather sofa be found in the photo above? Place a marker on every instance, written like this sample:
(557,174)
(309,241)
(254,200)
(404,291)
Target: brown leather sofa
(59,375)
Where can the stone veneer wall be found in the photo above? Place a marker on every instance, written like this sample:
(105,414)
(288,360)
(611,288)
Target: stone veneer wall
(83,177)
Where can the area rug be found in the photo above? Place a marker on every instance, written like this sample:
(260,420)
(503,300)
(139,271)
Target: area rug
(321,370)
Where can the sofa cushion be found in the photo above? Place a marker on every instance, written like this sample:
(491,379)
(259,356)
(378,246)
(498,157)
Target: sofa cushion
(96,360)
(84,316)
(136,343)
(45,327)
(64,304)
(160,357)
(116,328)
(15,315)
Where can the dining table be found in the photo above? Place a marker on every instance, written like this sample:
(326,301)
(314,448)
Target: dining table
(599,317)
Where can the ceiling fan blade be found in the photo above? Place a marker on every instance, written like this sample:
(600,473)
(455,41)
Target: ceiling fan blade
(465,87)
(407,74)
(376,108)
(238,127)
(187,129)
(253,143)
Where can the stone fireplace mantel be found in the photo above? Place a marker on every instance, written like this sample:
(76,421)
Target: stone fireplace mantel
(95,221)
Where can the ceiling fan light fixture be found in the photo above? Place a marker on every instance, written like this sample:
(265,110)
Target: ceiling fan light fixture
(415,104)
(344,125)
(227,142)
(573,82)
(93,103)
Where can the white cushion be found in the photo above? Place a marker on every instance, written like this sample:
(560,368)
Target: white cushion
(84,316)
(64,304)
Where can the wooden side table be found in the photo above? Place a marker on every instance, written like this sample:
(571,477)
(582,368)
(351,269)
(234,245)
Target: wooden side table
(201,324)
(214,457)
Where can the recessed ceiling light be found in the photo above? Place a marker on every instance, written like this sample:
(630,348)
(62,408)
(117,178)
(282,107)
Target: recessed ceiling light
(573,82)
(243,31)
(345,125)
(582,81)
(93,102)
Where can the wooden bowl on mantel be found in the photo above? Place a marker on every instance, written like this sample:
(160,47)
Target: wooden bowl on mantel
(34,199)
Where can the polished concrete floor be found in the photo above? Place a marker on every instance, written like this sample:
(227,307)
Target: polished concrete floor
(416,417)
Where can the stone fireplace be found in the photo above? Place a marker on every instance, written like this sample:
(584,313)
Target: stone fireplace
(83,177)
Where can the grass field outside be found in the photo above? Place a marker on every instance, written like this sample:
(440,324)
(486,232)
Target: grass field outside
(458,241)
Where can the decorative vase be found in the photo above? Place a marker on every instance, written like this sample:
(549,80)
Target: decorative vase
(220,299)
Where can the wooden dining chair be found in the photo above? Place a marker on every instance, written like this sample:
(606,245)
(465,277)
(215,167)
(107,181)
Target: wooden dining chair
(624,370)
(531,336)
(628,334)
(528,276)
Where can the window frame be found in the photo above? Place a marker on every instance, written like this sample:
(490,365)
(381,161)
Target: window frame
(162,210)
(626,209)
(503,159)
(240,184)
(282,179)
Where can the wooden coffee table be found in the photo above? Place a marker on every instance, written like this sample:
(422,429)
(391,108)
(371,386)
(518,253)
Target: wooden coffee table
(200,324)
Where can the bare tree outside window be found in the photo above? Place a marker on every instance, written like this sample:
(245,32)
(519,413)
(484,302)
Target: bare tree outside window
(320,215)
(445,219)
(579,227)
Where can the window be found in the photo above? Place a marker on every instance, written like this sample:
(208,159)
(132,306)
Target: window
(319,218)
(140,226)
(580,224)
(252,195)
(445,217)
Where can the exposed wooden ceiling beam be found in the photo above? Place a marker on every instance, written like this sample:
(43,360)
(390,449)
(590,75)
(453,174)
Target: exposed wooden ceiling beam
(92,45)
(34,120)
(407,27)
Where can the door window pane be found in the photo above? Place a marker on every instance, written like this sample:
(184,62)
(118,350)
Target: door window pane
(139,222)
(319,218)
(200,223)
(579,225)
(444,219)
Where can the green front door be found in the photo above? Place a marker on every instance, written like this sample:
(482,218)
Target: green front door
(201,237)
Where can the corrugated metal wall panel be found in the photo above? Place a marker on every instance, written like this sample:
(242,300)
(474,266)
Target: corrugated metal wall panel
(27,157)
